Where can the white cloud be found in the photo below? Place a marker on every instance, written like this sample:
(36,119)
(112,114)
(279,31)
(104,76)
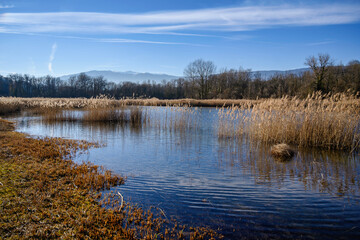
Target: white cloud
(52,57)
(218,19)
(320,43)
(124,40)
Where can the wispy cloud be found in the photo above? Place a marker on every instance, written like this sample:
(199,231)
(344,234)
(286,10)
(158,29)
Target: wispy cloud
(218,19)
(320,43)
(106,40)
(122,40)
(52,57)
(6,6)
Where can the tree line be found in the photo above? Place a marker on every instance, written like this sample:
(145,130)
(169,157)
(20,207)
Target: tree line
(200,81)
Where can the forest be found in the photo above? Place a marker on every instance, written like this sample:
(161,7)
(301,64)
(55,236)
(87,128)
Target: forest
(200,81)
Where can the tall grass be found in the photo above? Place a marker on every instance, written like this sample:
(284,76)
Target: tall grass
(324,121)
(231,122)
(7,107)
(104,115)
(174,118)
(61,103)
(105,102)
(131,115)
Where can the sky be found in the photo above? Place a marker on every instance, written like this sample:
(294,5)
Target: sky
(39,37)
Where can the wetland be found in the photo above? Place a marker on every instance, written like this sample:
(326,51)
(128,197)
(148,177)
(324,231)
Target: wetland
(199,167)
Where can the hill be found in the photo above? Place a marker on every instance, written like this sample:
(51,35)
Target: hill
(127,76)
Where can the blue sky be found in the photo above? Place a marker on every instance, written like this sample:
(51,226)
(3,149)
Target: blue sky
(60,37)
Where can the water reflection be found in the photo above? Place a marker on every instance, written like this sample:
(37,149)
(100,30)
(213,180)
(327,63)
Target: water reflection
(236,185)
(333,172)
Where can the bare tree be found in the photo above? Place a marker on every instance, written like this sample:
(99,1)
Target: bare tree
(320,67)
(199,72)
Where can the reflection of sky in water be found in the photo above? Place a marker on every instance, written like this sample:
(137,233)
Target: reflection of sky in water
(237,186)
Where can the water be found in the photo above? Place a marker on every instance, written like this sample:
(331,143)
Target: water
(232,185)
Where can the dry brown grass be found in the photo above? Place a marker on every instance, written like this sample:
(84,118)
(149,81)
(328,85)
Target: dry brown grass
(104,115)
(8,107)
(45,195)
(174,118)
(6,125)
(244,103)
(105,102)
(132,115)
(60,103)
(326,121)
(231,122)
(282,152)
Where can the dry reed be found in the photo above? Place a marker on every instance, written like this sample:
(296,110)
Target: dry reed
(231,122)
(6,125)
(326,121)
(132,115)
(105,102)
(174,118)
(282,152)
(8,107)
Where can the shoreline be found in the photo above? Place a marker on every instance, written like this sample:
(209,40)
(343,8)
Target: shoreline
(44,194)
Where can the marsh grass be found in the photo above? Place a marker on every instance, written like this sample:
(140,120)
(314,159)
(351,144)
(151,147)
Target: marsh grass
(231,122)
(53,115)
(6,125)
(103,115)
(45,195)
(325,121)
(124,115)
(8,107)
(244,103)
(174,118)
(282,152)
(106,102)
(183,118)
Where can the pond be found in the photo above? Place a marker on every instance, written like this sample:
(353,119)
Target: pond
(178,163)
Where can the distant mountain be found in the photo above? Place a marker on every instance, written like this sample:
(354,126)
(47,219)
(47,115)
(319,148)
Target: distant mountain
(270,73)
(136,77)
(128,76)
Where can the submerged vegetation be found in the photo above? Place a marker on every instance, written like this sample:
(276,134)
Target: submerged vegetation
(44,194)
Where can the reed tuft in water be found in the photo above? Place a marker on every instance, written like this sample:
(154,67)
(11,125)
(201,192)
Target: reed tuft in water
(282,152)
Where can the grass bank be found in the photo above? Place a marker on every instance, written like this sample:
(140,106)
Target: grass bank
(44,194)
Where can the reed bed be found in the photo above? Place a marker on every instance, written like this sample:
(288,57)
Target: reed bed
(104,115)
(105,102)
(231,122)
(8,107)
(175,118)
(132,115)
(61,103)
(244,103)
(325,121)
